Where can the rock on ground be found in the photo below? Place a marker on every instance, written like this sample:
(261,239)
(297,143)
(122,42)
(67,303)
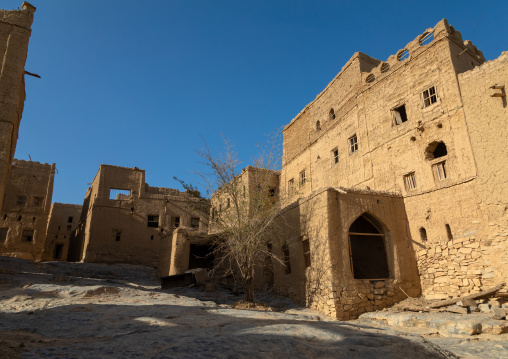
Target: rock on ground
(83,310)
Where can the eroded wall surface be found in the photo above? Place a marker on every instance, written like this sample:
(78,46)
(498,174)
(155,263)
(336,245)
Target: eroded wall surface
(126,220)
(25,210)
(403,127)
(14,35)
(63,221)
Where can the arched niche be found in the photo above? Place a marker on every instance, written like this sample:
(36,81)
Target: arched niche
(368,249)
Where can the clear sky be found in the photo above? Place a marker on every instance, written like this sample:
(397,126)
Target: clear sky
(136,83)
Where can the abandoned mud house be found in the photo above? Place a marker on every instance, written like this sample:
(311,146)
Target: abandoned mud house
(14,35)
(63,221)
(395,178)
(25,210)
(124,219)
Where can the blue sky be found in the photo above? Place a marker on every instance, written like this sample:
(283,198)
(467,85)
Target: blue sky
(136,83)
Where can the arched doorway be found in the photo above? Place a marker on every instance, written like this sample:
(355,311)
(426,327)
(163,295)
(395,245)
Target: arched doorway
(367,249)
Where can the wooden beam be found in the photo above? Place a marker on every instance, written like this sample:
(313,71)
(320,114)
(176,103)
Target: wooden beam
(483,293)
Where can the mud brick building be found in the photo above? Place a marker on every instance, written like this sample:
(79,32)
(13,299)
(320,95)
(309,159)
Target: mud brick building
(395,179)
(25,209)
(14,35)
(124,219)
(63,221)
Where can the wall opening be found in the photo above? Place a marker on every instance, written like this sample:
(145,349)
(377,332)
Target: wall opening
(400,114)
(318,125)
(331,114)
(435,150)
(449,232)
(57,252)
(201,256)
(423,234)
(367,249)
(427,38)
(119,194)
(287,261)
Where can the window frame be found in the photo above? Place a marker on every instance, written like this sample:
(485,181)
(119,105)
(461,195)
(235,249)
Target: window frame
(429,99)
(301,178)
(175,220)
(335,156)
(440,170)
(153,223)
(116,234)
(193,225)
(410,181)
(353,144)
(21,201)
(38,201)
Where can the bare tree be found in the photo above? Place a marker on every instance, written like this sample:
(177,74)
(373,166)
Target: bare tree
(245,203)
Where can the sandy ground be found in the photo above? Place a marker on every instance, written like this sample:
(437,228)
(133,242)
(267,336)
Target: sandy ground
(82,310)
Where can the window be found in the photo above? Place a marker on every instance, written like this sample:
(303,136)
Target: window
(116,234)
(353,144)
(403,55)
(367,249)
(400,115)
(306,252)
(435,150)
(153,221)
(229,203)
(38,201)
(214,213)
(440,169)
(370,78)
(57,252)
(28,235)
(3,234)
(302,178)
(427,38)
(385,67)
(448,232)
(69,227)
(429,96)
(70,219)
(291,186)
(175,221)
(21,201)
(423,234)
(194,223)
(335,156)
(287,261)
(119,194)
(318,126)
(331,114)
(271,192)
(410,181)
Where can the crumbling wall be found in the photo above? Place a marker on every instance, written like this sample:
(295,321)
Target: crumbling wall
(14,34)
(25,209)
(63,221)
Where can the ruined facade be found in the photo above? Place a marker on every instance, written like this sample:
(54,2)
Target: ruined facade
(63,221)
(14,35)
(124,219)
(410,150)
(25,209)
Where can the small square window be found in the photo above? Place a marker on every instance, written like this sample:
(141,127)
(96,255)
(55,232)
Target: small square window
(153,221)
(440,169)
(302,178)
(38,201)
(28,235)
(175,221)
(3,234)
(70,219)
(429,96)
(117,234)
(353,144)
(271,192)
(21,201)
(399,113)
(69,227)
(195,222)
(335,156)
(410,181)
